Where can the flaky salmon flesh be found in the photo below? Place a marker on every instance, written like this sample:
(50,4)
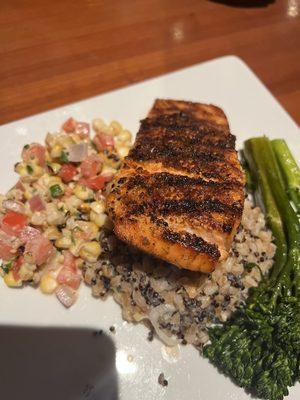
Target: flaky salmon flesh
(179,194)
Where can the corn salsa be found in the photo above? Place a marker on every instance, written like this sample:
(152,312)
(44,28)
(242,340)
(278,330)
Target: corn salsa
(50,221)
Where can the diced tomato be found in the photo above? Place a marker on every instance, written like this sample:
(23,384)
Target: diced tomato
(40,249)
(19,186)
(83,129)
(103,141)
(13,223)
(68,277)
(29,233)
(36,203)
(35,152)
(94,183)
(69,125)
(6,248)
(16,267)
(69,260)
(67,172)
(91,166)
(68,192)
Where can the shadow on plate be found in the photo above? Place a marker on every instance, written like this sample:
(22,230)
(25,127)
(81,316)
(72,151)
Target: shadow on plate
(56,363)
(244,3)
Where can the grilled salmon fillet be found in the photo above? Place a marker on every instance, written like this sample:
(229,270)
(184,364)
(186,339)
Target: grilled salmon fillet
(179,194)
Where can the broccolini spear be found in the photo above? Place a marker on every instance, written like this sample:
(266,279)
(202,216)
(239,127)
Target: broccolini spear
(259,348)
(289,169)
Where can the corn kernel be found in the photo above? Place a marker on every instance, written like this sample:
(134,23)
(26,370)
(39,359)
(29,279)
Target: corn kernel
(123,151)
(76,138)
(20,169)
(107,169)
(38,218)
(76,247)
(52,233)
(79,263)
(26,271)
(56,151)
(54,180)
(124,136)
(63,242)
(115,127)
(99,219)
(84,208)
(54,166)
(83,193)
(65,140)
(37,170)
(90,251)
(53,215)
(98,207)
(10,280)
(99,125)
(50,139)
(48,284)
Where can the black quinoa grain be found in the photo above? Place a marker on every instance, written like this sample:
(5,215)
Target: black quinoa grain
(112,329)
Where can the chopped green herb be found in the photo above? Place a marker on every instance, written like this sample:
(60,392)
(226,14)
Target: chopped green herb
(6,267)
(72,239)
(77,228)
(93,145)
(56,191)
(249,267)
(29,169)
(64,157)
(61,209)
(26,147)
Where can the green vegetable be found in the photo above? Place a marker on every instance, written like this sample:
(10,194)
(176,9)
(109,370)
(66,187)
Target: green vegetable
(64,157)
(259,348)
(6,267)
(289,169)
(56,191)
(26,147)
(29,169)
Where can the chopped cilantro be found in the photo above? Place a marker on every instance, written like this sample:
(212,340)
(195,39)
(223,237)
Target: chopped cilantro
(6,267)
(56,191)
(64,157)
(26,147)
(249,266)
(77,228)
(29,169)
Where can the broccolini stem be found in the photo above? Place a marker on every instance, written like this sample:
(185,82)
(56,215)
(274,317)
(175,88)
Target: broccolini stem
(289,169)
(264,197)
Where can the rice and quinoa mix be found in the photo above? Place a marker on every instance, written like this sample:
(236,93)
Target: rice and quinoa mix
(50,221)
(180,305)
(54,232)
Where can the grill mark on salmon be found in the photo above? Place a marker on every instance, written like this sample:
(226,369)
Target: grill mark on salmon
(193,241)
(180,192)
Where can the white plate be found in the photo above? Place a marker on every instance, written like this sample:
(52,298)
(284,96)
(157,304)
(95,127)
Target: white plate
(251,109)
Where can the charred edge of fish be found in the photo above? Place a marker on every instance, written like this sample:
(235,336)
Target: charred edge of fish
(203,140)
(145,151)
(175,180)
(192,241)
(185,206)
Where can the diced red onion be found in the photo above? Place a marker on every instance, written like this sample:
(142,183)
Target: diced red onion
(36,203)
(78,152)
(14,206)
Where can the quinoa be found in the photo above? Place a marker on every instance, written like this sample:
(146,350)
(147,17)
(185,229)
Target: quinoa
(178,304)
